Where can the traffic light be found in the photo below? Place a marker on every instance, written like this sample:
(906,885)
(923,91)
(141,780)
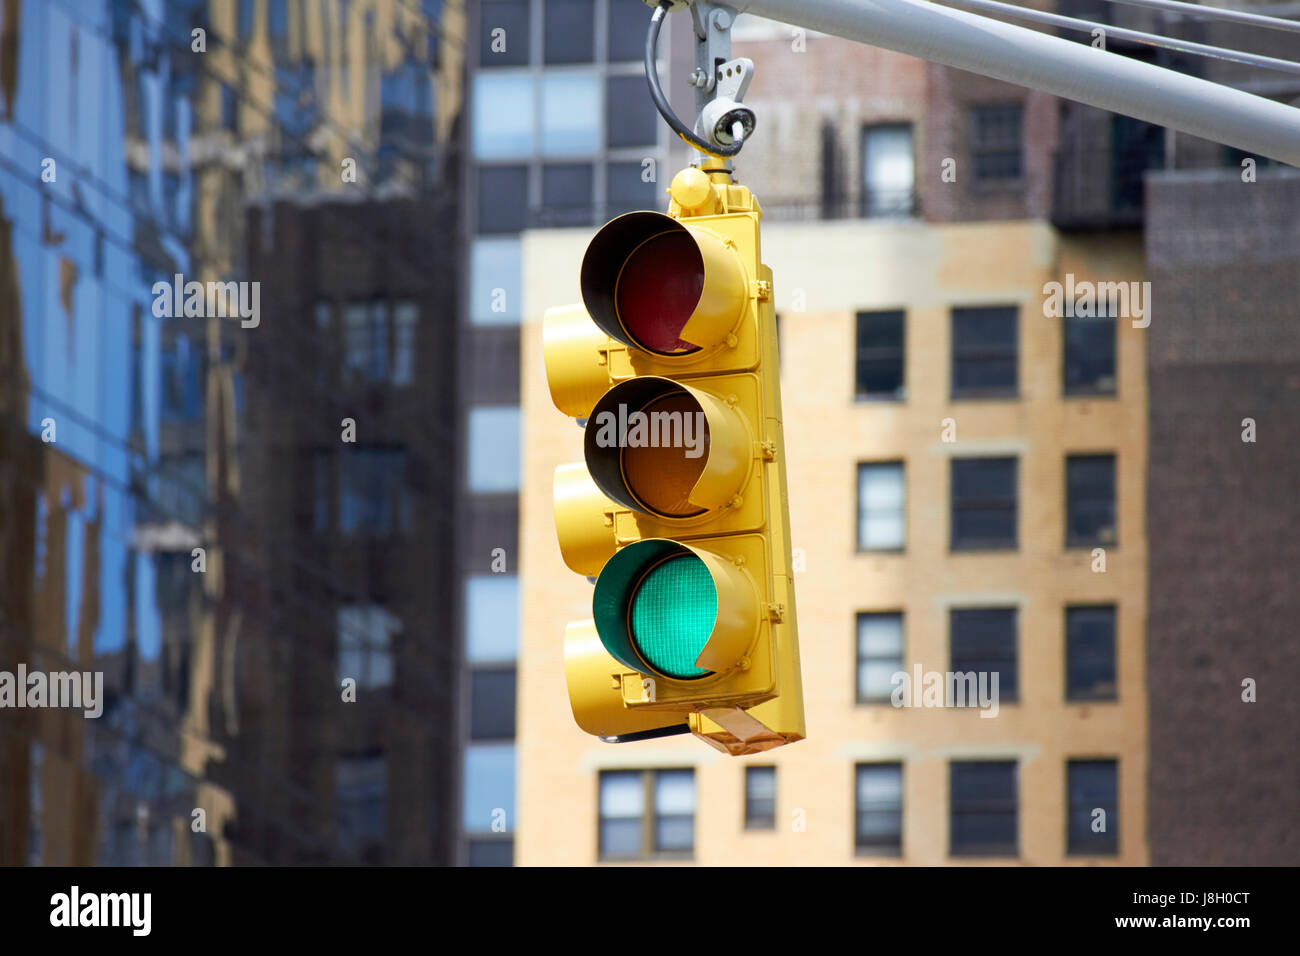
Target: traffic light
(679,511)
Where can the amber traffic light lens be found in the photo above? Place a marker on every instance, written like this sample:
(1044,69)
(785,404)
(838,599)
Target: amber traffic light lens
(658,290)
(662,467)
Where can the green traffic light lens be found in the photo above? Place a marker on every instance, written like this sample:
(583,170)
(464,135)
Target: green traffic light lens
(672,615)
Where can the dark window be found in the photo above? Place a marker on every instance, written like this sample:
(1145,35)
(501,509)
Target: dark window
(182,373)
(1135,147)
(566,194)
(646,814)
(880,655)
(879,809)
(983,503)
(832,188)
(983,806)
(628,190)
(373,496)
(492,852)
(984,643)
(760,798)
(879,369)
(365,341)
(502,198)
(229,107)
(295,108)
(182,483)
(1089,356)
(378,342)
(628,22)
(406,102)
(492,704)
(245,24)
(365,645)
(279,19)
(1090,500)
(570,31)
(630,116)
(172,197)
(1090,653)
(503,33)
(361,787)
(984,352)
(1093,824)
(997,141)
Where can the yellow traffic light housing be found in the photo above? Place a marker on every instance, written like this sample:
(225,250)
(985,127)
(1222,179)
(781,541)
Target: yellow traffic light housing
(679,510)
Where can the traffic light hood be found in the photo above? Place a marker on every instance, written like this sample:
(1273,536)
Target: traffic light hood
(667,608)
(663,448)
(667,288)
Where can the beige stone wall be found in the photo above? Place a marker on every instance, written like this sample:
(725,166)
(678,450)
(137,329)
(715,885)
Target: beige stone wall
(841,268)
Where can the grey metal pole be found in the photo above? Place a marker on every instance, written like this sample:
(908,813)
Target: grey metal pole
(1074,71)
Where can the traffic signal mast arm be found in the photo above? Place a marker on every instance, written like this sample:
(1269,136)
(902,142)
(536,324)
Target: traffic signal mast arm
(1039,61)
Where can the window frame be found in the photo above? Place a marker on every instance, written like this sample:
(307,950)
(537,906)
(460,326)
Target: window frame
(861,849)
(366,647)
(486,59)
(858,698)
(1071,697)
(493,180)
(648,850)
(977,148)
(332,475)
(977,851)
(971,354)
(1112,810)
(552,22)
(1073,541)
(901,466)
(491,669)
(879,354)
(755,821)
(516,486)
(1089,391)
(983,544)
(954,614)
(908,208)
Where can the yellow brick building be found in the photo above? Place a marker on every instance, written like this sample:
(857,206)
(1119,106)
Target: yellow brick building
(825,274)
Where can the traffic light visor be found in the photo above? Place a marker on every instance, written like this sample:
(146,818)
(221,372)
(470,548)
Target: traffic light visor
(666,608)
(666,449)
(654,284)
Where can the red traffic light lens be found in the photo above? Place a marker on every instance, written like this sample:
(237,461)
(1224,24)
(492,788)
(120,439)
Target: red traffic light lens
(658,289)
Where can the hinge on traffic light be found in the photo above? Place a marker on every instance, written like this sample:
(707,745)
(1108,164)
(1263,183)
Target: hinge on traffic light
(776,613)
(760,289)
(769,450)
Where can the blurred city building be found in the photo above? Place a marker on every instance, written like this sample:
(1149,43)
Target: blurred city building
(183,506)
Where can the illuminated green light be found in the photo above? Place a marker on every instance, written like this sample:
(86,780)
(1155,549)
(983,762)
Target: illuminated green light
(672,615)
